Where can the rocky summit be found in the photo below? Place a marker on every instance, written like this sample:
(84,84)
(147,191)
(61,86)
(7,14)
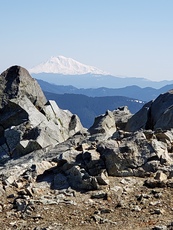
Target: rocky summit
(55,174)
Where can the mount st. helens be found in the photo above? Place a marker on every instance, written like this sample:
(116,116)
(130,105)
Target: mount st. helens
(66,71)
(66,66)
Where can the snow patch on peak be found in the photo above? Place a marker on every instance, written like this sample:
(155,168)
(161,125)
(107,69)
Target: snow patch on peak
(66,66)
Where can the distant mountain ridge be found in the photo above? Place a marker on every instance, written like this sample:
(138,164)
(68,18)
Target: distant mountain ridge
(98,81)
(145,94)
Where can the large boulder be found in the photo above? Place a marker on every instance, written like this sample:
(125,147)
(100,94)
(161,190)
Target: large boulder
(107,124)
(27,121)
(162,111)
(157,114)
(139,120)
(134,155)
(16,81)
(121,116)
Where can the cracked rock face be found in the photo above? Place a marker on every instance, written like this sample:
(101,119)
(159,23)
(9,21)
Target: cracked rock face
(27,121)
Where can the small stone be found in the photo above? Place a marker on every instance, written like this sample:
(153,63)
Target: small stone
(163,227)
(13,223)
(158,195)
(157,211)
(137,208)
(118,190)
(20,204)
(72,202)
(89,201)
(18,184)
(102,178)
(99,195)
(105,211)
(11,196)
(29,191)
(160,176)
(153,203)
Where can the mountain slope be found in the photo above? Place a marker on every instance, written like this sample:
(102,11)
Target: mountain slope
(66,66)
(87,108)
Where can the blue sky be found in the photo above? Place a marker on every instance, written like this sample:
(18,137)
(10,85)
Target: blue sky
(124,37)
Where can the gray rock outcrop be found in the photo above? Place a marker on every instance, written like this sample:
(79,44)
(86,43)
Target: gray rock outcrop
(154,115)
(15,82)
(107,124)
(48,143)
(27,121)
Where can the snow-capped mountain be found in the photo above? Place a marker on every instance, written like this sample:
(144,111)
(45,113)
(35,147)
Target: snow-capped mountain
(66,66)
(66,71)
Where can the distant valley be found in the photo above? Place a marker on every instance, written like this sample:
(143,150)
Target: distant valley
(87,108)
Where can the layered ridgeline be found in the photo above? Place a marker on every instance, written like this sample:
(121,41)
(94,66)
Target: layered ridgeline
(53,155)
(133,91)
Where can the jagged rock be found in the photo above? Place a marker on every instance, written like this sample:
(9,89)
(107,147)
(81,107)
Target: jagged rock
(154,115)
(68,123)
(121,116)
(164,136)
(102,178)
(139,120)
(35,132)
(68,157)
(27,122)
(160,176)
(133,155)
(79,179)
(92,161)
(104,125)
(12,173)
(149,134)
(20,204)
(161,111)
